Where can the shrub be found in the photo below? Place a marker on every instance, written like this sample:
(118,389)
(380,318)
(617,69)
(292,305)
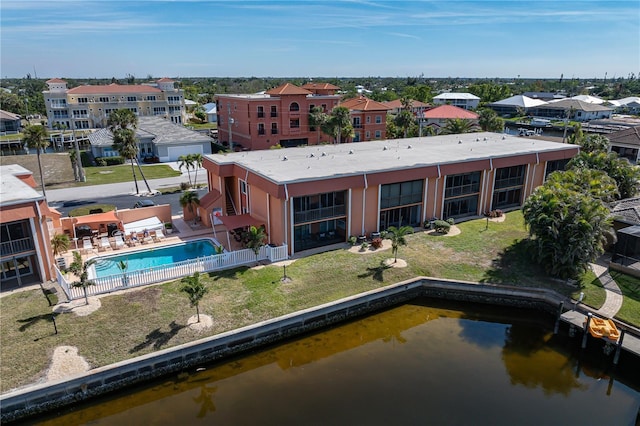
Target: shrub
(376,243)
(185,185)
(109,161)
(101,162)
(495,213)
(441,226)
(364,246)
(352,240)
(383,235)
(451,221)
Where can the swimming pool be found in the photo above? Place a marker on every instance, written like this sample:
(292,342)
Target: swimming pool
(150,258)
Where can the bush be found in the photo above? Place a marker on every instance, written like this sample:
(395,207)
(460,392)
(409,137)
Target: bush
(451,221)
(441,226)
(151,160)
(109,161)
(376,243)
(353,240)
(364,246)
(185,185)
(495,213)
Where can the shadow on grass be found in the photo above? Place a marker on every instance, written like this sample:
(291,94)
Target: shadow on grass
(513,266)
(28,322)
(158,338)
(376,273)
(232,274)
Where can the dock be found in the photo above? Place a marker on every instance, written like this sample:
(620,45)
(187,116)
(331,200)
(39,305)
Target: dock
(630,342)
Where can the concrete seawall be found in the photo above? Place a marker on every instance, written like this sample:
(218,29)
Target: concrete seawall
(49,396)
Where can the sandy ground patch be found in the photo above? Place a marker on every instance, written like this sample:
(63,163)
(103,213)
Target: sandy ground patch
(497,219)
(453,231)
(66,362)
(79,307)
(386,245)
(205,322)
(392,263)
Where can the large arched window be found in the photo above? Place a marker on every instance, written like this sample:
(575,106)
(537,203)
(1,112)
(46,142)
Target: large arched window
(294,106)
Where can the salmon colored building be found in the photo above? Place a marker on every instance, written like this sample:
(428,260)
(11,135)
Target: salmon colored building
(319,195)
(279,116)
(26,227)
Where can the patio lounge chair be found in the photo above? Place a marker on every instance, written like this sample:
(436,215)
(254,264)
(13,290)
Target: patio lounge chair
(118,241)
(104,244)
(157,235)
(87,245)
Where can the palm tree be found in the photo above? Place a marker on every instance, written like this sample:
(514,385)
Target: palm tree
(123,266)
(456,126)
(397,236)
(190,201)
(317,118)
(197,164)
(122,124)
(37,137)
(81,269)
(255,238)
(405,118)
(195,291)
(339,123)
(489,121)
(186,161)
(60,243)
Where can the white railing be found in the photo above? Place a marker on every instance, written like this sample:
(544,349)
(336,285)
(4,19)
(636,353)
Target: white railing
(173,271)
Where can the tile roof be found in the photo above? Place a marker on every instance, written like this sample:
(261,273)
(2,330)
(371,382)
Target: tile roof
(166,80)
(287,89)
(449,111)
(113,88)
(627,210)
(161,131)
(6,115)
(630,136)
(322,86)
(56,80)
(362,103)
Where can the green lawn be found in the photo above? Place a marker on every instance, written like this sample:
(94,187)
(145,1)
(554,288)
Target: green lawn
(155,317)
(122,173)
(630,287)
(594,293)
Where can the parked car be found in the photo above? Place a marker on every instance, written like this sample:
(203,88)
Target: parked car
(143,203)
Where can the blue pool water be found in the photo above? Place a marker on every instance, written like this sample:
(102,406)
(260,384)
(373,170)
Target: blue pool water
(153,257)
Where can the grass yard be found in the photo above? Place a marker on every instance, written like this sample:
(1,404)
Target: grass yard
(122,173)
(630,287)
(141,321)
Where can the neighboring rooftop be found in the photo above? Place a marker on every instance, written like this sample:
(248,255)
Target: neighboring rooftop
(519,101)
(454,95)
(576,104)
(13,189)
(163,132)
(113,88)
(362,103)
(627,211)
(630,136)
(444,112)
(331,161)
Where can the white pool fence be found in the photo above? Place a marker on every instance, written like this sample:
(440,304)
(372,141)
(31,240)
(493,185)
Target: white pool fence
(216,262)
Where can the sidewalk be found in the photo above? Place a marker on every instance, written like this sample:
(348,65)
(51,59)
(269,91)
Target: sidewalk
(613,301)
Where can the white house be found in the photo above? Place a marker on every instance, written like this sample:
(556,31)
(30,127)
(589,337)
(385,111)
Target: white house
(461,100)
(629,105)
(211,110)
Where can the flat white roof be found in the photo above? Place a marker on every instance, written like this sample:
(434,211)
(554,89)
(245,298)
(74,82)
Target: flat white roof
(14,190)
(315,162)
(454,95)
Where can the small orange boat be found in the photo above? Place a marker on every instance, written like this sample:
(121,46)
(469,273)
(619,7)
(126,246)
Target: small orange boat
(603,329)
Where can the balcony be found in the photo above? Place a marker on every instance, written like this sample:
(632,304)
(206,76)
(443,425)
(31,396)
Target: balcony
(321,213)
(174,102)
(274,131)
(8,248)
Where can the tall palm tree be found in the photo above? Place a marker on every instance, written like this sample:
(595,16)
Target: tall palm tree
(317,118)
(397,236)
(122,124)
(489,121)
(197,164)
(195,291)
(36,136)
(186,161)
(190,201)
(454,126)
(81,269)
(405,118)
(339,123)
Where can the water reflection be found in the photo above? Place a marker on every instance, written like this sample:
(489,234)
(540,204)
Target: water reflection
(417,363)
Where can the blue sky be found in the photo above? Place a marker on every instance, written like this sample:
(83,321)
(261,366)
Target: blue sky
(439,38)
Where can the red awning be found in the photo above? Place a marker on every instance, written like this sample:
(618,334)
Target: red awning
(107,217)
(240,221)
(209,198)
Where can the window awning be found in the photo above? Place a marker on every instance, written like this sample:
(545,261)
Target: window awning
(240,221)
(106,217)
(150,224)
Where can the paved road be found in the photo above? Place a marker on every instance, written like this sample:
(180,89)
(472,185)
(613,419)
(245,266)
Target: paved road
(122,195)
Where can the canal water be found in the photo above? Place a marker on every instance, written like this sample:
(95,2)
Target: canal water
(426,362)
